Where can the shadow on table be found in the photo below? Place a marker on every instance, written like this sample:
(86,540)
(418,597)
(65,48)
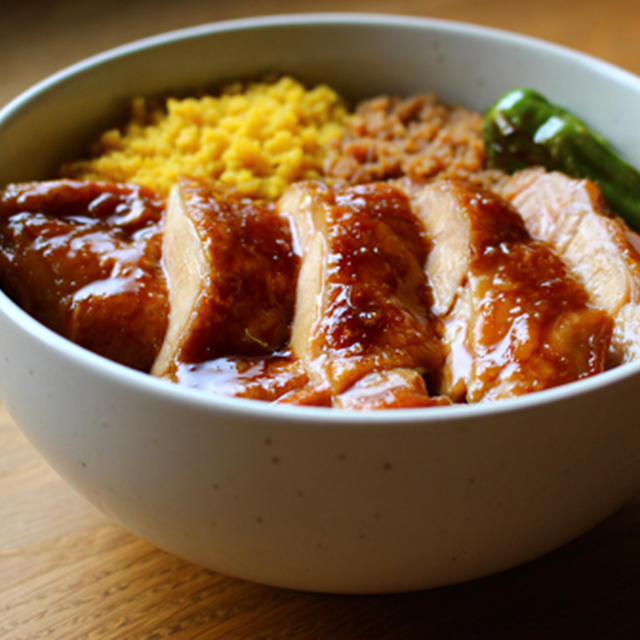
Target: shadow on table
(588,589)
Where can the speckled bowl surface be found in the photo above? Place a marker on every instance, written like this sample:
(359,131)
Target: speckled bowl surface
(302,497)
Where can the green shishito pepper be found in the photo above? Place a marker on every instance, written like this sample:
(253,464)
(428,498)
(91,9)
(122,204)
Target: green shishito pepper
(523,129)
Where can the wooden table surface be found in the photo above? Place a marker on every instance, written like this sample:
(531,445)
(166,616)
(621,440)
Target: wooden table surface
(66,571)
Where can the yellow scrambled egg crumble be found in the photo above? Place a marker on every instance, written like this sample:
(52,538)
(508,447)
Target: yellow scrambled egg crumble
(256,139)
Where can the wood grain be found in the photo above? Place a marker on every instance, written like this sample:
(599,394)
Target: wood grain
(67,572)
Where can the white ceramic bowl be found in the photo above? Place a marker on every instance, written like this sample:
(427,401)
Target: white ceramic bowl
(302,497)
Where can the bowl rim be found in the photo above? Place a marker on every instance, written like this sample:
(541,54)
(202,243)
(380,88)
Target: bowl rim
(157,388)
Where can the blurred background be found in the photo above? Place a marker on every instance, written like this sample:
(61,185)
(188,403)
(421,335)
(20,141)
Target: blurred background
(38,37)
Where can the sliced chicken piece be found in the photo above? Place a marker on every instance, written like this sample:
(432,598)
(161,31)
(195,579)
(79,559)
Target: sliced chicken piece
(260,378)
(389,389)
(84,259)
(598,247)
(362,297)
(515,320)
(231,272)
(308,395)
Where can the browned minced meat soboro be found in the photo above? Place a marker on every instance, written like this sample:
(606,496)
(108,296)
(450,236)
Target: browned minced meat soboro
(516,320)
(232,274)
(421,137)
(84,259)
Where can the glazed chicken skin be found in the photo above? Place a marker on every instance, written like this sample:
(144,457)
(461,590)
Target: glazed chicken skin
(572,216)
(266,378)
(84,259)
(398,388)
(231,272)
(363,301)
(373,313)
(516,320)
(369,297)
